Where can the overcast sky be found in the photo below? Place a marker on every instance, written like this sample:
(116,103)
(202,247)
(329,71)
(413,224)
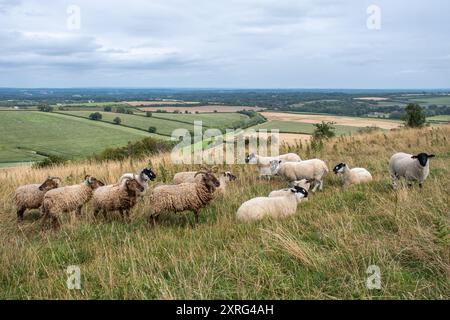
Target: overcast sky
(229,44)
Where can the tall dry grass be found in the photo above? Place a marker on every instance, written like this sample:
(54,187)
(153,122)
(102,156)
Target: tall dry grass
(323,252)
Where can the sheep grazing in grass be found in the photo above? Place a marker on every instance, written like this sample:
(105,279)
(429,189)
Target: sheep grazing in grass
(263,163)
(275,207)
(411,167)
(352,176)
(313,169)
(67,199)
(143,177)
(117,197)
(30,196)
(189,176)
(190,196)
(304,183)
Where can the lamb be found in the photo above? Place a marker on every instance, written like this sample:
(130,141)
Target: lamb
(313,169)
(143,177)
(188,176)
(276,207)
(31,196)
(190,196)
(411,167)
(121,197)
(304,183)
(263,163)
(67,199)
(352,176)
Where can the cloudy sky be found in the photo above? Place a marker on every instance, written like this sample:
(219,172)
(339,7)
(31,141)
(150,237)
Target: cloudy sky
(224,43)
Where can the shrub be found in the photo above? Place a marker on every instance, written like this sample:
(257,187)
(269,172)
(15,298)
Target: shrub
(95,116)
(148,114)
(117,120)
(49,161)
(45,108)
(324,130)
(414,117)
(152,129)
(107,109)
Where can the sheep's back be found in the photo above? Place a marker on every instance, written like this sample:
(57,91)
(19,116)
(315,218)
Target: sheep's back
(29,196)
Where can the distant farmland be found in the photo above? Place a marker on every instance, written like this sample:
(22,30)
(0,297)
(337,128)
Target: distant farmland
(203,109)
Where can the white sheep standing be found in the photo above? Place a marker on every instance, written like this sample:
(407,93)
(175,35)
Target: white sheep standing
(263,163)
(352,176)
(30,196)
(117,197)
(142,177)
(189,176)
(304,183)
(67,199)
(411,167)
(276,207)
(313,169)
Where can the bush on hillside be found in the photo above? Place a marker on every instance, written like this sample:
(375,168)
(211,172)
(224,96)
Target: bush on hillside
(49,161)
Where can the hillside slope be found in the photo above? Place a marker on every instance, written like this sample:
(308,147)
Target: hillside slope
(322,252)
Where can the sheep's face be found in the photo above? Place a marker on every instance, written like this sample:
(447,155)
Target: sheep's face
(49,184)
(304,183)
(339,168)
(250,158)
(148,174)
(423,158)
(299,192)
(275,166)
(134,185)
(93,182)
(229,176)
(210,180)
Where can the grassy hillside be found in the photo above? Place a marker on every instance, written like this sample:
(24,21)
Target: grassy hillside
(301,127)
(322,252)
(25,133)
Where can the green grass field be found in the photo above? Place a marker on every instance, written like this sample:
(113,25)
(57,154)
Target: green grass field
(439,118)
(301,127)
(25,133)
(212,120)
(433,100)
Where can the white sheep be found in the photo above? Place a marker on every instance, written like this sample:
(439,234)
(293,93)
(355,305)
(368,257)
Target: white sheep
(67,199)
(263,163)
(313,169)
(184,196)
(143,177)
(189,176)
(352,176)
(30,196)
(411,167)
(276,207)
(117,197)
(304,183)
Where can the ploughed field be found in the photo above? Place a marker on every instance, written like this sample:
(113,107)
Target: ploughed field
(322,252)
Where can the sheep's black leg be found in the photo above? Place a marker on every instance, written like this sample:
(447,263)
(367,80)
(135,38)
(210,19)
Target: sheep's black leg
(196,216)
(151,221)
(20,214)
(55,223)
(78,212)
(420,185)
(96,211)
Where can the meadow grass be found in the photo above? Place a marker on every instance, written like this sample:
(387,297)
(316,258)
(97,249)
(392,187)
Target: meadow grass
(23,133)
(301,127)
(322,252)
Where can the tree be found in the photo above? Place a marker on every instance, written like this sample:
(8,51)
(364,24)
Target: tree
(107,109)
(414,117)
(148,114)
(117,120)
(95,116)
(152,129)
(324,130)
(120,110)
(129,111)
(45,108)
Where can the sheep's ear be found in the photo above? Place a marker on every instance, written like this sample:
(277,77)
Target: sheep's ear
(414,157)
(431,156)
(279,161)
(293,190)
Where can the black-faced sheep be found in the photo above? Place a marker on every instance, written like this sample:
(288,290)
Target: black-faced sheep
(276,207)
(313,169)
(31,196)
(304,183)
(190,196)
(67,199)
(143,177)
(117,197)
(263,163)
(411,167)
(352,176)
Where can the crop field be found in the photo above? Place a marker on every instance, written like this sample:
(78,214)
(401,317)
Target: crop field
(203,109)
(321,252)
(23,134)
(433,100)
(300,127)
(213,120)
(440,118)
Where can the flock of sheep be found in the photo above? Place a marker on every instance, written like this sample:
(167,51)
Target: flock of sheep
(193,190)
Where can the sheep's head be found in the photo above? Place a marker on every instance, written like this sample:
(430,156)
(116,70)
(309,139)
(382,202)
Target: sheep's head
(304,183)
(423,158)
(229,176)
(50,183)
(134,186)
(275,166)
(209,179)
(250,157)
(299,192)
(93,182)
(339,168)
(148,174)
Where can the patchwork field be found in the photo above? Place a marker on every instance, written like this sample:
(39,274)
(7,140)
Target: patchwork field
(158,102)
(301,127)
(345,121)
(203,109)
(25,134)
(445,100)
